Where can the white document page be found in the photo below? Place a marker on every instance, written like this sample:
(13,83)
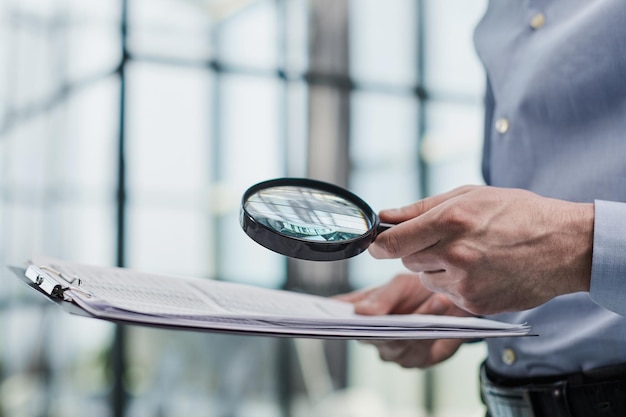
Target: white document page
(125,295)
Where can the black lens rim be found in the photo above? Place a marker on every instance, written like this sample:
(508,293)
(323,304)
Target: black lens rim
(301,248)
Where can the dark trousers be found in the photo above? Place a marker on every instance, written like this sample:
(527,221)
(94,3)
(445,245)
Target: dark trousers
(597,393)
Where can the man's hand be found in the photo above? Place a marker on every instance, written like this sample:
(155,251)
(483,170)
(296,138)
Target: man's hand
(405,295)
(492,249)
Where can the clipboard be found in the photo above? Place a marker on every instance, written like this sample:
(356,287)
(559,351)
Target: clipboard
(123,296)
(54,295)
(67,306)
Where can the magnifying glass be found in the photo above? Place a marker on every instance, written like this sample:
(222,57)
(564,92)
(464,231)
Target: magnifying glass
(308,219)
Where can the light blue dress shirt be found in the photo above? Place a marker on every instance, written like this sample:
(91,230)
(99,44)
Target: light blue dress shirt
(556,125)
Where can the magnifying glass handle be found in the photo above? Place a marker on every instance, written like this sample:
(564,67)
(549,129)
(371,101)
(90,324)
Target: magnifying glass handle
(384,226)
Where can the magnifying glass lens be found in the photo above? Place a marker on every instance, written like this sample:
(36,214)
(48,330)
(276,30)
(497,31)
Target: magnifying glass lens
(306,213)
(308,219)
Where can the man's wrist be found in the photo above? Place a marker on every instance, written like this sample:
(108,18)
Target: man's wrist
(585,224)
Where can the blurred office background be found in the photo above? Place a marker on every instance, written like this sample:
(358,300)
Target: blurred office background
(129,130)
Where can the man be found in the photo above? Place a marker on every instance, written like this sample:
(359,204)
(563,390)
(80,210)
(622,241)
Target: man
(545,243)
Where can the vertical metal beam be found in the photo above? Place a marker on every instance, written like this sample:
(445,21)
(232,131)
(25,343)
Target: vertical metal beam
(422,167)
(282,65)
(121,145)
(328,146)
(216,169)
(420,19)
(329,130)
(329,106)
(284,347)
(119,396)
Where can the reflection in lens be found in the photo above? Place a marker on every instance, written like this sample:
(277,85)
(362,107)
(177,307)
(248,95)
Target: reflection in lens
(307,213)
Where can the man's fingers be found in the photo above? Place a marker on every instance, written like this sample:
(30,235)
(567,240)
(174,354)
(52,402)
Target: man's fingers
(401,295)
(417,353)
(443,349)
(406,353)
(354,296)
(437,304)
(399,215)
(422,225)
(406,238)
(417,227)
(441,305)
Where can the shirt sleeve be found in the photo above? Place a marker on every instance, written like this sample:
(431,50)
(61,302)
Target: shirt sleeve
(608,268)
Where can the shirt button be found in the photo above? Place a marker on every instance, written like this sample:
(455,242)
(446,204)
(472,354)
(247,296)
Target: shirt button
(508,356)
(537,21)
(502,125)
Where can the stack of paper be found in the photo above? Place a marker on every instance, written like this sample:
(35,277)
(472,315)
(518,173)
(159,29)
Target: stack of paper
(123,295)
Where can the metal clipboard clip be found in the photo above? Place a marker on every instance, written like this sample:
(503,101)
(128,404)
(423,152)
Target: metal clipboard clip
(54,283)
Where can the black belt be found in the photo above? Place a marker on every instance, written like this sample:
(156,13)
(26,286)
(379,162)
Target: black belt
(601,393)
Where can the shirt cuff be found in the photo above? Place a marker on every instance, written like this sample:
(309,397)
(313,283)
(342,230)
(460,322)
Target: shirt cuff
(608,268)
